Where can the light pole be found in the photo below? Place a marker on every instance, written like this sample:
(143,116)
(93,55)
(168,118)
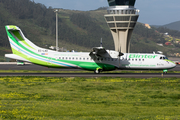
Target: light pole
(56,11)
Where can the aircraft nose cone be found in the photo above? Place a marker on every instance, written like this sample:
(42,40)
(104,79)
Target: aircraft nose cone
(173,65)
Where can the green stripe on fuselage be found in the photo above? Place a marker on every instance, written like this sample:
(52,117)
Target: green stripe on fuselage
(169,61)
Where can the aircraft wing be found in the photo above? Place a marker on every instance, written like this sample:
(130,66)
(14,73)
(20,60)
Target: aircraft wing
(102,52)
(99,51)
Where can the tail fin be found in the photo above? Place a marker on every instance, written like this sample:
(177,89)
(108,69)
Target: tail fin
(18,40)
(25,50)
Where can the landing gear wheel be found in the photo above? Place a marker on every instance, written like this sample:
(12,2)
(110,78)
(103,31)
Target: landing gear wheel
(97,71)
(165,71)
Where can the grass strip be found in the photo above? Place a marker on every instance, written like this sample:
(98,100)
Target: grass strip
(89,98)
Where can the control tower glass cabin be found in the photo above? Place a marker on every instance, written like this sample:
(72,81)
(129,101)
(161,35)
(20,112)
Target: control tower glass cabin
(121,2)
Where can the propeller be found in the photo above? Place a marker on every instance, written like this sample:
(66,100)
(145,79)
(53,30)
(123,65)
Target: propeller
(120,54)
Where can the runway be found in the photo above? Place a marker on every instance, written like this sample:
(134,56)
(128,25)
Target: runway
(125,75)
(32,67)
(41,68)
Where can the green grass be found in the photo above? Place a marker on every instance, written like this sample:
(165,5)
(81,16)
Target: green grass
(89,98)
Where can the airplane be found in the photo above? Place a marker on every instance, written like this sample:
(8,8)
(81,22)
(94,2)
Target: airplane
(98,60)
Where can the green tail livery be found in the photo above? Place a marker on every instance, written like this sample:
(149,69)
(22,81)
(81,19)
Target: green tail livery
(98,60)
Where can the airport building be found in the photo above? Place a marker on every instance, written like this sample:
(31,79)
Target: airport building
(121,19)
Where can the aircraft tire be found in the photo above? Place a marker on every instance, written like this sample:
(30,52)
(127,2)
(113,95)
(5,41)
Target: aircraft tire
(97,71)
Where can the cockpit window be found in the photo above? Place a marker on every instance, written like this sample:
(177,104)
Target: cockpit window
(163,58)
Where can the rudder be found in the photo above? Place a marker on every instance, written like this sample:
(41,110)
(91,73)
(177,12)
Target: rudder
(18,40)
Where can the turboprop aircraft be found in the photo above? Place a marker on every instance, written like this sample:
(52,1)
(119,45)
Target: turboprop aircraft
(98,60)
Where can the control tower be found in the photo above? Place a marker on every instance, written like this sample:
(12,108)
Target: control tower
(121,19)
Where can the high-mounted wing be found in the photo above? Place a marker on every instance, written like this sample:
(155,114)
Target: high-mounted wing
(99,52)
(102,52)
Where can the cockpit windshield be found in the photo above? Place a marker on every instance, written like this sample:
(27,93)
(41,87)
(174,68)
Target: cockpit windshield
(163,58)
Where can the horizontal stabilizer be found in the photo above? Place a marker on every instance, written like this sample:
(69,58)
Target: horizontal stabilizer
(16,57)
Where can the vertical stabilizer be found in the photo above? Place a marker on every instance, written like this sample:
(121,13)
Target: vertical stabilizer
(18,41)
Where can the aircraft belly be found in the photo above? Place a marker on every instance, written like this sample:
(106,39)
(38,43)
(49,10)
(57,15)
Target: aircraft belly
(93,66)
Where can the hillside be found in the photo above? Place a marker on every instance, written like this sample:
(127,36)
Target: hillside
(78,30)
(173,26)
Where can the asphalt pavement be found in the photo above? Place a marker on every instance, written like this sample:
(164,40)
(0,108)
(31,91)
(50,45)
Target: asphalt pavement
(42,68)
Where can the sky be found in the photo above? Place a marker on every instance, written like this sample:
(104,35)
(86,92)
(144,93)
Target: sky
(153,12)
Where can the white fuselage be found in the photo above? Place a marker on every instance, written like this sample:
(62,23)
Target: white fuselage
(127,61)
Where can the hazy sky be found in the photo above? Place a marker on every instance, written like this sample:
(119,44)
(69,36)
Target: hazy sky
(153,12)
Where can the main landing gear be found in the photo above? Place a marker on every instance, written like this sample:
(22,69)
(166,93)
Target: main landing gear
(98,70)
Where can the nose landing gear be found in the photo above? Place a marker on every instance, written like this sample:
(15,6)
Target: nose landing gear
(165,71)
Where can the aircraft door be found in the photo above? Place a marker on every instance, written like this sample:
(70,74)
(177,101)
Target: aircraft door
(123,61)
(49,62)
